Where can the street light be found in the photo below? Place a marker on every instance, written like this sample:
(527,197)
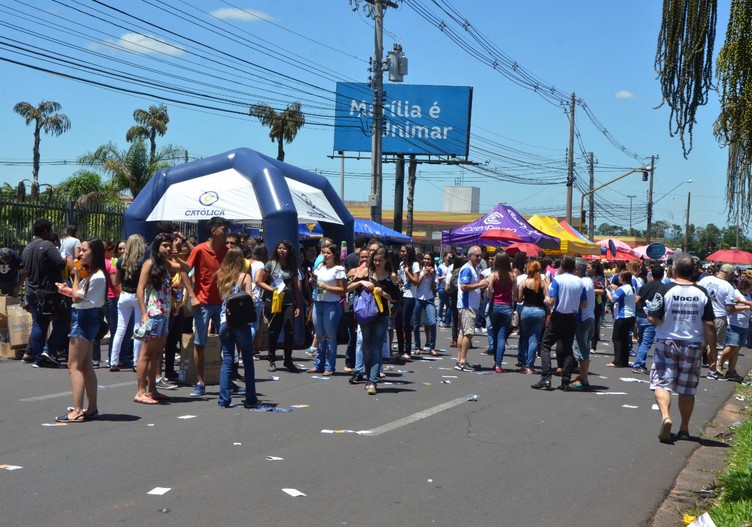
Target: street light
(645,172)
(673,189)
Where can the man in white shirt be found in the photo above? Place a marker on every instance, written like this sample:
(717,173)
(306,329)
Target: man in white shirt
(468,304)
(683,316)
(721,294)
(565,296)
(585,328)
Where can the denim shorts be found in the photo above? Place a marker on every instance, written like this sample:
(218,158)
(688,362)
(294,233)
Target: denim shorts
(160,326)
(201,317)
(736,337)
(84,323)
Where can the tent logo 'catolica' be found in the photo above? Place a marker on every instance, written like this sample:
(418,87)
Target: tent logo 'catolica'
(208,198)
(494,218)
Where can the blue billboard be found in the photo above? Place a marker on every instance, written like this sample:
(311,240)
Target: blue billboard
(417,119)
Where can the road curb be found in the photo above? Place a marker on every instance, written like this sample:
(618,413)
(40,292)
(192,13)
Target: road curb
(694,484)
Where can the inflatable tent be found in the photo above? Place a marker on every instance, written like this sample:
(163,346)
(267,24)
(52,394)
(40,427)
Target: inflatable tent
(241,185)
(500,217)
(569,244)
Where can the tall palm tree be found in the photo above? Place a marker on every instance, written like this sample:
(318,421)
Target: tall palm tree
(283,126)
(47,120)
(130,170)
(151,123)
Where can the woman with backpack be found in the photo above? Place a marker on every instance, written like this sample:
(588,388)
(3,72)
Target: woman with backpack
(327,311)
(89,291)
(236,327)
(381,282)
(280,274)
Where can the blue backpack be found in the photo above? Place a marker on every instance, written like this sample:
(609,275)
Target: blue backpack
(365,308)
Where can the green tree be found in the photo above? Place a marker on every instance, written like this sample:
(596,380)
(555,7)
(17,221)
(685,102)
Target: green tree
(708,239)
(87,186)
(47,120)
(283,126)
(130,170)
(660,229)
(151,123)
(606,229)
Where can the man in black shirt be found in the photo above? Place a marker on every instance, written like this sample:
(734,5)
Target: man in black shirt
(646,330)
(11,272)
(43,265)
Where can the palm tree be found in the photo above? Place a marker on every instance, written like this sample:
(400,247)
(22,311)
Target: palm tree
(130,170)
(151,123)
(283,127)
(45,120)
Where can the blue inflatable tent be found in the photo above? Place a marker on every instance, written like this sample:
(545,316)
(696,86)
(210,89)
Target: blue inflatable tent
(241,185)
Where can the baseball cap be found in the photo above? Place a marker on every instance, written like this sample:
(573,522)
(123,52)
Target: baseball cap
(727,268)
(6,255)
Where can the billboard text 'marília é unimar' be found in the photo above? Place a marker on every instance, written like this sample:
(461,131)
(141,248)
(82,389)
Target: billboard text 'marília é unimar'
(425,120)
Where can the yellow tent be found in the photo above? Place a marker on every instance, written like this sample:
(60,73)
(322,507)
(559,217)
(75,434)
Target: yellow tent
(570,244)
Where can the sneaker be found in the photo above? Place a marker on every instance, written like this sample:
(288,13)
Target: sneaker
(237,390)
(311,351)
(164,384)
(499,369)
(731,375)
(466,366)
(458,367)
(641,370)
(664,436)
(489,351)
(50,358)
(199,390)
(95,365)
(712,374)
(542,384)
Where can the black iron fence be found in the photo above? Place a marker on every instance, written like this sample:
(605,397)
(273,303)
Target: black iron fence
(95,219)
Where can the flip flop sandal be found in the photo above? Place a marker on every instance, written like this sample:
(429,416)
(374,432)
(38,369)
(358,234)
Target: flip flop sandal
(65,419)
(145,400)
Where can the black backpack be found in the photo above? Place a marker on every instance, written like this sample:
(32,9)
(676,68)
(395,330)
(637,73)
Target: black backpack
(240,309)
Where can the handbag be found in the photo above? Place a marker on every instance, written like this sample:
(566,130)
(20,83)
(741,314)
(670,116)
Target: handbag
(103,326)
(277,301)
(365,308)
(51,303)
(240,309)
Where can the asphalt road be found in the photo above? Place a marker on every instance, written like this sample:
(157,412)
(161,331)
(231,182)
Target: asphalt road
(515,456)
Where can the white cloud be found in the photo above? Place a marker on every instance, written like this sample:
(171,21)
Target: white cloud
(236,13)
(139,44)
(624,94)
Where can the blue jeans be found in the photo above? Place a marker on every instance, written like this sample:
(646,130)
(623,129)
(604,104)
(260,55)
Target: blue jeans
(501,322)
(582,336)
(531,325)
(39,326)
(241,337)
(430,309)
(646,334)
(444,307)
(520,356)
(373,341)
(326,317)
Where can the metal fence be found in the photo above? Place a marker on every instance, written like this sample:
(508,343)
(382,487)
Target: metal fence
(17,218)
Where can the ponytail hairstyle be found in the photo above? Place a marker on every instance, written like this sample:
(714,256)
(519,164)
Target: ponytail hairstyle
(534,272)
(158,262)
(134,251)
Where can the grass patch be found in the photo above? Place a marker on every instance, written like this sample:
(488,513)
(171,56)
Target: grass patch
(733,505)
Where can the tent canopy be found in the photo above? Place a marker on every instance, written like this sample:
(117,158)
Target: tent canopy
(574,231)
(569,244)
(500,217)
(366,228)
(241,185)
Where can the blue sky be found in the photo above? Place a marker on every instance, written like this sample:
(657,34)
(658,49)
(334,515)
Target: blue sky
(280,51)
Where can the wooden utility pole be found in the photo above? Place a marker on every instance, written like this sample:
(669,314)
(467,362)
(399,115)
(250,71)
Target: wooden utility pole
(399,190)
(570,161)
(686,224)
(411,175)
(650,202)
(591,214)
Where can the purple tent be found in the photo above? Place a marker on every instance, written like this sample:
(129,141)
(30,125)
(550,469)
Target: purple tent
(501,217)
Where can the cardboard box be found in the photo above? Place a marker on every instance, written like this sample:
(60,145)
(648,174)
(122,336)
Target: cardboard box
(212,361)
(6,301)
(7,352)
(19,326)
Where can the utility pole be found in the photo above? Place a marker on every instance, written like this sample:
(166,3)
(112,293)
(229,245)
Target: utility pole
(591,214)
(378,111)
(342,175)
(412,169)
(399,188)
(570,162)
(650,201)
(686,225)
(630,213)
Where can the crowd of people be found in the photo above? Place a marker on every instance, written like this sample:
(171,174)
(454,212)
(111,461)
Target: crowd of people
(146,294)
